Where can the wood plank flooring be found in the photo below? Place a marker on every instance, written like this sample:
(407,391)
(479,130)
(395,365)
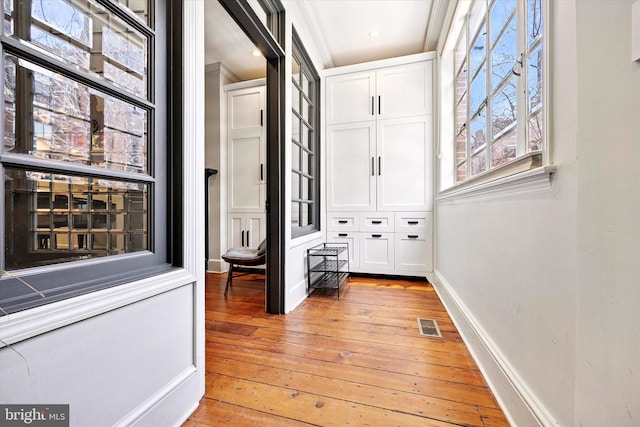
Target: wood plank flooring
(357,361)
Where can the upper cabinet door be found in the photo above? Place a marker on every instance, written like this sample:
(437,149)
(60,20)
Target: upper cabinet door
(351,166)
(404,90)
(351,97)
(404,164)
(246,109)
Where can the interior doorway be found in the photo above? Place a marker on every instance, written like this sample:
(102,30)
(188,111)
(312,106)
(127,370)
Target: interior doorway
(262,23)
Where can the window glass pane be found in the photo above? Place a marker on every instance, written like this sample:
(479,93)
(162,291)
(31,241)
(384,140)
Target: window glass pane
(461,82)
(461,172)
(461,130)
(536,132)
(295,128)
(295,157)
(295,70)
(534,78)
(72,122)
(504,55)
(460,52)
(295,99)
(85,35)
(257,8)
(139,7)
(534,21)
(478,133)
(478,91)
(295,185)
(304,187)
(305,109)
(305,214)
(295,214)
(478,50)
(304,83)
(478,163)
(307,138)
(52,218)
(504,149)
(478,12)
(504,108)
(305,162)
(500,13)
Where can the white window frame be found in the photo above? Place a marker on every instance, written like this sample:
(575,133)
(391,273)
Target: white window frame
(524,160)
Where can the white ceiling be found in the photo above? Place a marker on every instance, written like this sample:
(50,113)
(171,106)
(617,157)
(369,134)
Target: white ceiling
(404,27)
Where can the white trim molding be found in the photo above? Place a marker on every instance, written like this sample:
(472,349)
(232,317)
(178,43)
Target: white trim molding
(530,181)
(518,402)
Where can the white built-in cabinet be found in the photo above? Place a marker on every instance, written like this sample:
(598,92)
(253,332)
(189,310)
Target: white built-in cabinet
(246,165)
(379,166)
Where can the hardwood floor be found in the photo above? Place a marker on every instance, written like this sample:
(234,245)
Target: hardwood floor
(356,361)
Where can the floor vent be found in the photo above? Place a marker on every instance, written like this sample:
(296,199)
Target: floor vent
(429,328)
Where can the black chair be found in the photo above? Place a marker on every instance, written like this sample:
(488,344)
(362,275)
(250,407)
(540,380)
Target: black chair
(243,257)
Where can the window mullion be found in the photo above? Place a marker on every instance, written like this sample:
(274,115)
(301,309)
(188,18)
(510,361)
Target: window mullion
(521,128)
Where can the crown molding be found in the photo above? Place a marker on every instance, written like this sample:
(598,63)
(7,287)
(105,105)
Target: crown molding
(312,24)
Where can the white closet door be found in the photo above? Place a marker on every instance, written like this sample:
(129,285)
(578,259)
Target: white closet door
(351,97)
(351,167)
(245,185)
(404,90)
(404,164)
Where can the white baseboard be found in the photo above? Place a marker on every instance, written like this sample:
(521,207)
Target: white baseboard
(518,403)
(172,405)
(216,266)
(296,296)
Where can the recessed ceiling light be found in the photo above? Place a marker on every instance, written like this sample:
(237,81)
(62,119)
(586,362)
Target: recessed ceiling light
(374,33)
(257,52)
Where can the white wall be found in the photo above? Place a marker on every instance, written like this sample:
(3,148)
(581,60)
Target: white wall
(540,280)
(132,354)
(295,260)
(608,132)
(216,76)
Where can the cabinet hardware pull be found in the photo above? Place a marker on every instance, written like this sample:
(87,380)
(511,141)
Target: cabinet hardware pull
(342,234)
(372,110)
(248,242)
(242,238)
(342,221)
(261,171)
(376,222)
(373,166)
(376,235)
(261,114)
(412,222)
(379,165)
(412,236)
(379,105)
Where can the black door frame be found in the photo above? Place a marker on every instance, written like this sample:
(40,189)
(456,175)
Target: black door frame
(248,21)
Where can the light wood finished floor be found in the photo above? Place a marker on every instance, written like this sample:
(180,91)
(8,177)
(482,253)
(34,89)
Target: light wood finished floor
(357,361)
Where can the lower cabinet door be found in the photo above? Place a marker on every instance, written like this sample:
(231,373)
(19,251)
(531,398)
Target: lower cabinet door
(413,252)
(377,252)
(353,239)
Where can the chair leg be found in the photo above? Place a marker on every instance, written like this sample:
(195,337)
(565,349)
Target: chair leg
(229,279)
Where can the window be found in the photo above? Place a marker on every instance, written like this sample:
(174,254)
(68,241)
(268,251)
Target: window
(497,91)
(305,156)
(84,152)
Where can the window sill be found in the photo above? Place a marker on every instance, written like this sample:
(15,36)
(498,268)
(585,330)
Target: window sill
(519,177)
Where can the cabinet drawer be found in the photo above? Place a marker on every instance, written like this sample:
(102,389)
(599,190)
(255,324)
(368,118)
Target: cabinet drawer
(413,252)
(413,221)
(353,239)
(377,222)
(342,221)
